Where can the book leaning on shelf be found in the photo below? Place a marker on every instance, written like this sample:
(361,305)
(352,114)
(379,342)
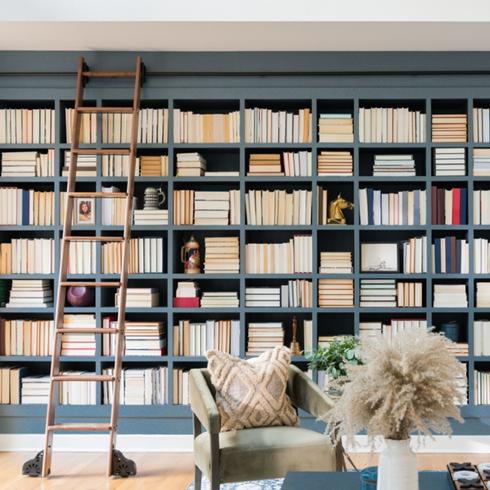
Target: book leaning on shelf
(278,207)
(27,126)
(195,339)
(27,164)
(11,378)
(26,207)
(180,378)
(481,344)
(294,256)
(23,256)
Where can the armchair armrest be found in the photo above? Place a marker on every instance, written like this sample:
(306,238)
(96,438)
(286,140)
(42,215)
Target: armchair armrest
(306,394)
(202,401)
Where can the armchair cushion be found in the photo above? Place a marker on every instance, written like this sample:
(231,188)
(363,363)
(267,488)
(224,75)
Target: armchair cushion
(266,452)
(252,393)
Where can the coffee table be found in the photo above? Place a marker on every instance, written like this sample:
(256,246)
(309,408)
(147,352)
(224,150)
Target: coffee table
(316,480)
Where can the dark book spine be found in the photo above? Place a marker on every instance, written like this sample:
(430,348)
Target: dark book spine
(437,254)
(434,205)
(441,205)
(464,206)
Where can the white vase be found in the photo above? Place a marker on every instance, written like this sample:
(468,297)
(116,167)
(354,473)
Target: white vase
(397,467)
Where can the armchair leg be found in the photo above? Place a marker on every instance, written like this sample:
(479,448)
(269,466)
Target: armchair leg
(197,478)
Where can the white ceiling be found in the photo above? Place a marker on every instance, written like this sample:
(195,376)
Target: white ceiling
(245,25)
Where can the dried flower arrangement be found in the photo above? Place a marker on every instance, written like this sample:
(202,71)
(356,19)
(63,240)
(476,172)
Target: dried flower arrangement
(406,384)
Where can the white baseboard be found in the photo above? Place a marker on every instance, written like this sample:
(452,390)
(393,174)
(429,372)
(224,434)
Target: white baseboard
(183,443)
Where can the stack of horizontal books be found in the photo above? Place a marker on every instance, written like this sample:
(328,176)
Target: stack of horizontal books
(27,164)
(264,336)
(35,390)
(140,298)
(219,299)
(336,128)
(335,163)
(262,164)
(481,162)
(30,294)
(221,255)
(335,262)
(76,344)
(86,165)
(190,165)
(153,165)
(187,295)
(157,217)
(335,293)
(377,293)
(449,128)
(211,208)
(450,296)
(450,161)
(394,166)
(263,297)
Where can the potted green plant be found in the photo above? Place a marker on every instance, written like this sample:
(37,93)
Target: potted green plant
(331,361)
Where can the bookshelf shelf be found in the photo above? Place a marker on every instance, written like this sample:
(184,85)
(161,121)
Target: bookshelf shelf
(322,95)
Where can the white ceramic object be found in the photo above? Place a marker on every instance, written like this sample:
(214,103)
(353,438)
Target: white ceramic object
(397,467)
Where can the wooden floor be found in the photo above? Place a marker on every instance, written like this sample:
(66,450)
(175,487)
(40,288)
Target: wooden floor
(85,471)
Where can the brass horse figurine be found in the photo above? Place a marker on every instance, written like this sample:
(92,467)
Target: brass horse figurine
(336,216)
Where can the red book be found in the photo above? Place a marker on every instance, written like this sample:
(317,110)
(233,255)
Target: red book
(186,302)
(456,207)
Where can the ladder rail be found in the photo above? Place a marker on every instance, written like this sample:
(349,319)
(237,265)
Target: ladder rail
(60,297)
(121,312)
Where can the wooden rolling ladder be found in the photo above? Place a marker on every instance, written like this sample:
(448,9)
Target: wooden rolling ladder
(117,463)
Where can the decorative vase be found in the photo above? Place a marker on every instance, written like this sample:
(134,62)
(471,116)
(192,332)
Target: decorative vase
(80,296)
(397,466)
(190,256)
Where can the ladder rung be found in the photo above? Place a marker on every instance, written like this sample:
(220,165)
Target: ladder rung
(105,110)
(94,238)
(82,377)
(109,74)
(106,195)
(68,284)
(80,426)
(101,151)
(92,330)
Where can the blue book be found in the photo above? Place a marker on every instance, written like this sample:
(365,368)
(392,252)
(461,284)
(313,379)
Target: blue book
(437,254)
(463,206)
(447,244)
(370,199)
(416,208)
(25,207)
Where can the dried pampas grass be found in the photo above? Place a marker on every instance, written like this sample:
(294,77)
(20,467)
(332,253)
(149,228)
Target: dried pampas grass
(407,384)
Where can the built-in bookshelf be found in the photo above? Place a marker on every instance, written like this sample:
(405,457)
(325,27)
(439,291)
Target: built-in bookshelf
(347,168)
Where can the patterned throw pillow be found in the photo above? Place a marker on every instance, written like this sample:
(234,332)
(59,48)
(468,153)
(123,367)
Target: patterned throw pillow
(252,393)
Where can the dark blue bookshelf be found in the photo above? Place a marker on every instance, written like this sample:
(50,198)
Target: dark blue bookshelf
(222,93)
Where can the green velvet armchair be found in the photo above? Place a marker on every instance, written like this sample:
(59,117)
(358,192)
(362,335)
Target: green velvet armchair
(259,453)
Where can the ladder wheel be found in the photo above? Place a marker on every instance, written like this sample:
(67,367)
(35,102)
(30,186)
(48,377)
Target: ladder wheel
(122,466)
(33,467)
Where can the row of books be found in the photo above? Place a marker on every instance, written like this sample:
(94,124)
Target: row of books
(195,339)
(268,126)
(294,256)
(335,128)
(180,383)
(481,255)
(393,208)
(481,125)
(335,163)
(450,256)
(481,337)
(30,293)
(26,207)
(335,293)
(449,127)
(409,294)
(449,206)
(294,294)
(278,207)
(145,256)
(335,262)
(481,207)
(26,337)
(206,207)
(414,252)
(24,256)
(27,164)
(221,255)
(395,326)
(293,164)
(482,387)
(143,386)
(450,161)
(27,126)
(142,338)
(398,165)
(116,128)
(190,127)
(391,125)
(78,392)
(10,384)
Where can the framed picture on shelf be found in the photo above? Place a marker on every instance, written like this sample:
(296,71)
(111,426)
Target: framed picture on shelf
(85,212)
(379,257)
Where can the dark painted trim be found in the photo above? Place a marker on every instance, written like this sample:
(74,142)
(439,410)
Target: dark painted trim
(252,63)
